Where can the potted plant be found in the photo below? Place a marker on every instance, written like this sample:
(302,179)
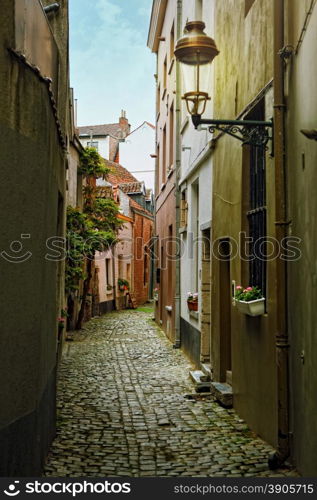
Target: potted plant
(123,284)
(192,301)
(61,323)
(250,300)
(156,294)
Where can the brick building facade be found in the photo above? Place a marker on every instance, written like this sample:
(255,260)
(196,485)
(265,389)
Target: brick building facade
(133,193)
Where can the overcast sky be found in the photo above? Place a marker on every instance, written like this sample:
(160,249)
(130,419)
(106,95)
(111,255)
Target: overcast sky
(111,66)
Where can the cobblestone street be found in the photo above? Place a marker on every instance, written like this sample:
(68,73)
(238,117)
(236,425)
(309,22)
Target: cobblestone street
(123,411)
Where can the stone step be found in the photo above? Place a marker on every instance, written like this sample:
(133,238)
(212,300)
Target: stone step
(206,368)
(222,393)
(200,379)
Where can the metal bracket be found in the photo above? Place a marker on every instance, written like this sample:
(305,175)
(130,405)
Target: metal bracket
(252,132)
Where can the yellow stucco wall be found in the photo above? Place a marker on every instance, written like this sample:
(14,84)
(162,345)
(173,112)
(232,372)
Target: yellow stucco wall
(243,69)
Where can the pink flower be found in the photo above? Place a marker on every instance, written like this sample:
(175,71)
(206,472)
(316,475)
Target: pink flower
(239,287)
(249,289)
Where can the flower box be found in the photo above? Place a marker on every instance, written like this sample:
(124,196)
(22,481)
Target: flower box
(252,307)
(192,305)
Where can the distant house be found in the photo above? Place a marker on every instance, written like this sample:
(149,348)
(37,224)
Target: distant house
(131,258)
(137,153)
(117,262)
(105,138)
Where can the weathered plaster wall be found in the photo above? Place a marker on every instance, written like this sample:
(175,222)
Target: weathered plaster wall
(196,167)
(302,274)
(242,69)
(32,179)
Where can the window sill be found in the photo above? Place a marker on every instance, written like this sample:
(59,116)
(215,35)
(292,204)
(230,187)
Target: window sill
(170,171)
(171,66)
(194,315)
(182,230)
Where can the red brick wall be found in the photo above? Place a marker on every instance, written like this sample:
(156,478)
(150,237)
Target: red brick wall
(143,228)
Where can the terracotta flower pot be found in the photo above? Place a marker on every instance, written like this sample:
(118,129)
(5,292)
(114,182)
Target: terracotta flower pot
(192,305)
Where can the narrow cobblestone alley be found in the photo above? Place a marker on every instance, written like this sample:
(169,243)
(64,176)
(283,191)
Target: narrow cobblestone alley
(122,410)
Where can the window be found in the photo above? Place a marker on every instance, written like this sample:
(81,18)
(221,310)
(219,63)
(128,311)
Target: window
(172,42)
(256,213)
(171,137)
(170,266)
(257,218)
(120,266)
(165,74)
(247,6)
(164,157)
(195,230)
(108,272)
(184,210)
(158,95)
(157,177)
(93,144)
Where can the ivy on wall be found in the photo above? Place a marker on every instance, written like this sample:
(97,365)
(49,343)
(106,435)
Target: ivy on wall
(88,231)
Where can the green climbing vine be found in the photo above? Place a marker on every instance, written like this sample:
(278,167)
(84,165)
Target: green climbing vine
(88,231)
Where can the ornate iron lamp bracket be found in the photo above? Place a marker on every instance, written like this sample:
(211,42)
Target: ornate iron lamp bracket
(252,132)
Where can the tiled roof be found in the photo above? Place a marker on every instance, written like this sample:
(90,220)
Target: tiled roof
(132,187)
(134,204)
(100,130)
(118,174)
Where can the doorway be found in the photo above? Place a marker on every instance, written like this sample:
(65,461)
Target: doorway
(205,296)
(225,311)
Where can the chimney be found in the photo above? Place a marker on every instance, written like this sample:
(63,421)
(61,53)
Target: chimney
(124,123)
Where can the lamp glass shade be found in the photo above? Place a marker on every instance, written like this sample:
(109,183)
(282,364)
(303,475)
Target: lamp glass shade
(196,84)
(196,51)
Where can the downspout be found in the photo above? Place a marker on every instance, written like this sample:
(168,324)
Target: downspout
(155,257)
(282,344)
(177,300)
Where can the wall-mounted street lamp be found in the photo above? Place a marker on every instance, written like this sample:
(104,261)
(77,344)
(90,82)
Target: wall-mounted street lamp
(196,51)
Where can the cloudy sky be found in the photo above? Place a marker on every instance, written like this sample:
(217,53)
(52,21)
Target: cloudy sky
(111,66)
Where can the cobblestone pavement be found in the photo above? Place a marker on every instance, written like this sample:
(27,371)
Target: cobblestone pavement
(122,411)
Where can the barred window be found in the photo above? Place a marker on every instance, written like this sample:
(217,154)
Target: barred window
(257,218)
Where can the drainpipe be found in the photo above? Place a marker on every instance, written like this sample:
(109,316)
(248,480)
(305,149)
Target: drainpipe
(177,300)
(282,344)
